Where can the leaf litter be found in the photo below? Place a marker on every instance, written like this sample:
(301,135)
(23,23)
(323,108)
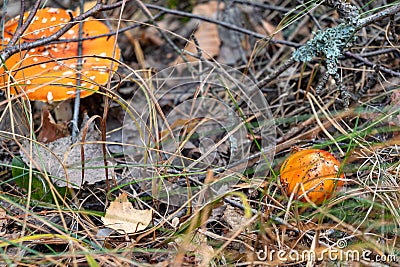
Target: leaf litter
(63,161)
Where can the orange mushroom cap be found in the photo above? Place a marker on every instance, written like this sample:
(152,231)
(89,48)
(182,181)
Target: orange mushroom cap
(314,170)
(49,72)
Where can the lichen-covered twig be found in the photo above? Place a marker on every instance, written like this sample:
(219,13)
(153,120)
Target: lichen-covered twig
(371,82)
(331,43)
(347,12)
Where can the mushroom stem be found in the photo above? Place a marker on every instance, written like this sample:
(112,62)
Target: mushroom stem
(77,102)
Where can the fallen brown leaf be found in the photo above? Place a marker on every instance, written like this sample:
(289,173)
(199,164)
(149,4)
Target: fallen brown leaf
(122,217)
(206,33)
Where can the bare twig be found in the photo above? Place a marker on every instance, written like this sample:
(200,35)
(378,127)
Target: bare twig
(378,52)
(17,35)
(147,13)
(263,6)
(371,64)
(378,16)
(223,24)
(21,14)
(276,73)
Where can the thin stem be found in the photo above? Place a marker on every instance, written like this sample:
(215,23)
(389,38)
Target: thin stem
(77,101)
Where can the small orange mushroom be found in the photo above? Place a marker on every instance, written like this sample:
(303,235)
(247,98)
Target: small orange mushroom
(49,73)
(313,172)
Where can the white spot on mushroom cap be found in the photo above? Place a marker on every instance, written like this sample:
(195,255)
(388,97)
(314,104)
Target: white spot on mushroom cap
(52,19)
(35,59)
(32,50)
(70,92)
(50,96)
(67,73)
(55,68)
(99,67)
(28,81)
(71,32)
(70,83)
(43,66)
(336,167)
(103,54)
(44,20)
(45,53)
(53,10)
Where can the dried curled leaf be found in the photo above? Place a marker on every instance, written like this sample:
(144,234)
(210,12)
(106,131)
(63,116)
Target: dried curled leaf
(122,217)
(50,130)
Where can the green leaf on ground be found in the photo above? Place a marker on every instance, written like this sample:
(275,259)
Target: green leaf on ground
(40,188)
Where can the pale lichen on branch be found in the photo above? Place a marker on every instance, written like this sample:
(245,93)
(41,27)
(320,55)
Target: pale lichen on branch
(330,43)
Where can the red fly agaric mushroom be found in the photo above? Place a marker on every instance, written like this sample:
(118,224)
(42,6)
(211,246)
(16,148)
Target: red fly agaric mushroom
(49,72)
(313,172)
